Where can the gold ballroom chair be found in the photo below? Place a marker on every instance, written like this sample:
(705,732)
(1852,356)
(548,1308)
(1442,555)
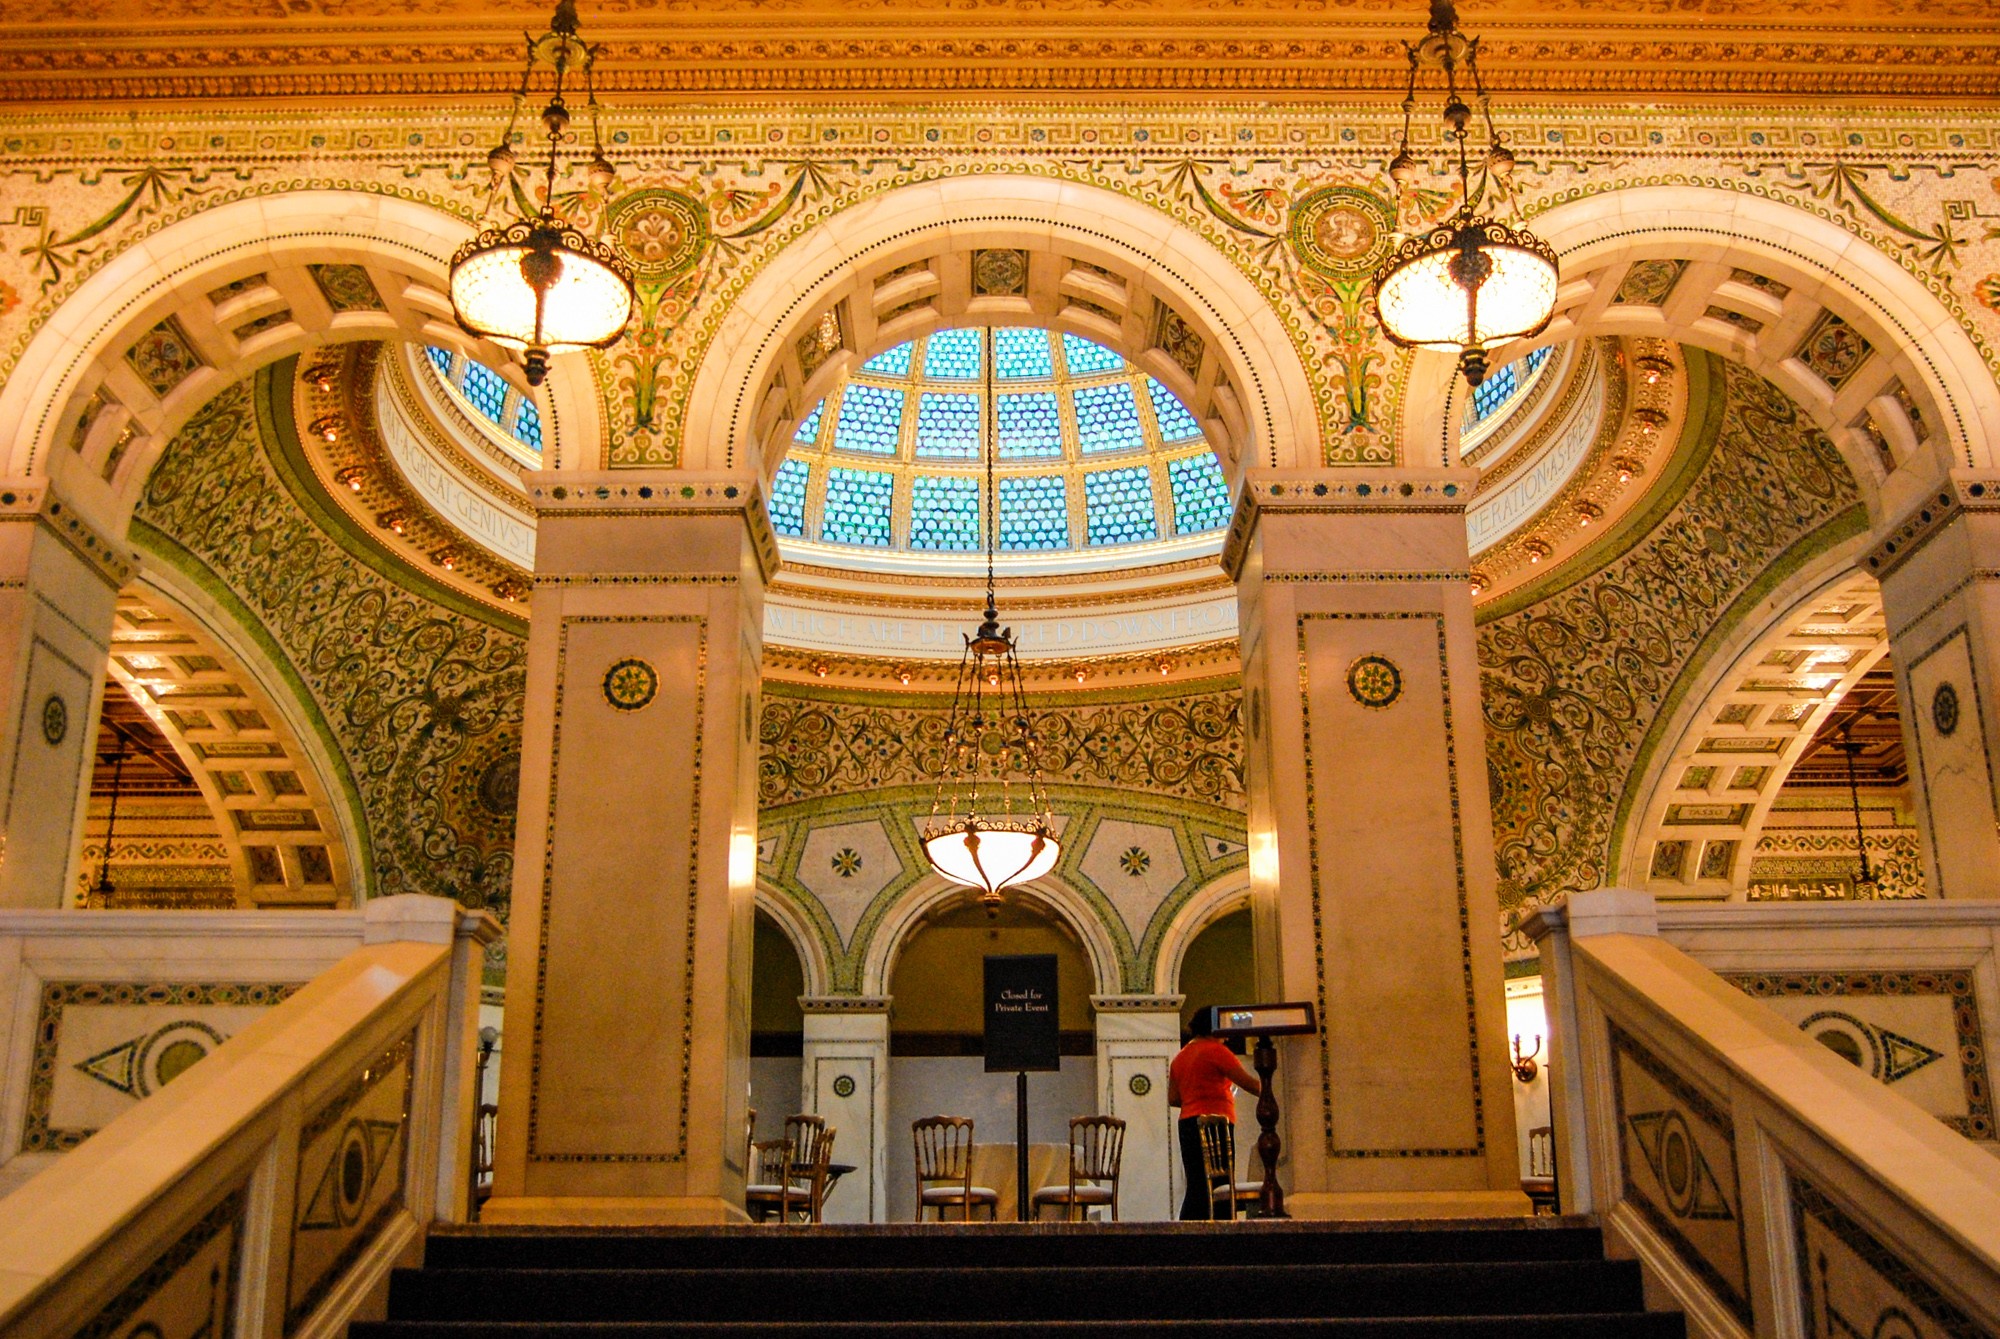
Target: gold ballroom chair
(1096,1147)
(1218,1164)
(1539,1185)
(789,1174)
(944,1156)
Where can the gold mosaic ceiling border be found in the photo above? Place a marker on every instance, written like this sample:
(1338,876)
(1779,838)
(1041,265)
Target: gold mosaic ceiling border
(117,50)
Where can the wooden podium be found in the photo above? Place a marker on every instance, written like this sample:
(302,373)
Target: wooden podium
(1263,1022)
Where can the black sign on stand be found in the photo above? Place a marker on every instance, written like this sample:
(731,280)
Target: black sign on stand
(1021,1035)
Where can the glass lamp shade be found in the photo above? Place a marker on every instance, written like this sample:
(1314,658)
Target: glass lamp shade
(541,286)
(990,854)
(1465,287)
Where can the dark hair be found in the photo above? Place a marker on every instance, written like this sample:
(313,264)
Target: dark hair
(1202,1023)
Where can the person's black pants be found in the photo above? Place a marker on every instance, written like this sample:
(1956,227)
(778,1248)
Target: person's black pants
(1197,1203)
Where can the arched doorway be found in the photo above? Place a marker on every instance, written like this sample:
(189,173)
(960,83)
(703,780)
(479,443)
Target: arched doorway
(936,1028)
(777,1026)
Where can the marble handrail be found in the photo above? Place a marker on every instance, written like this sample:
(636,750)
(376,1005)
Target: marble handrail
(270,1188)
(1764,1181)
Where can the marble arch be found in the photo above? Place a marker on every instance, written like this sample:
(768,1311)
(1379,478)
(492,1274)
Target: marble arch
(235,278)
(1109,265)
(805,940)
(1695,735)
(1208,904)
(1759,275)
(1050,895)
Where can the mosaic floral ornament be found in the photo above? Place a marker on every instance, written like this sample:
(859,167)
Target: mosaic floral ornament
(847,862)
(163,357)
(1374,681)
(1944,710)
(1135,861)
(661,232)
(1833,350)
(630,684)
(1343,232)
(1987,290)
(55,720)
(1648,282)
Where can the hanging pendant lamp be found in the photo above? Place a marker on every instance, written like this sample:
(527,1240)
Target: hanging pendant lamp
(990,827)
(540,284)
(1471,283)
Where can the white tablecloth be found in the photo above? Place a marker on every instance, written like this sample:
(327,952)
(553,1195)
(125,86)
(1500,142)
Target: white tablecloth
(993,1167)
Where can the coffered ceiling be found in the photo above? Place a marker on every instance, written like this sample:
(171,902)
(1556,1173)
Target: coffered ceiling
(134,50)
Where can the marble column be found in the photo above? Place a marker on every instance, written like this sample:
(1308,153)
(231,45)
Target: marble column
(846,1081)
(1371,857)
(628,983)
(59,580)
(1137,1036)
(1939,566)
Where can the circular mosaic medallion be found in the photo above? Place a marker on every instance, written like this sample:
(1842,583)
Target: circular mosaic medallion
(1343,232)
(1140,1085)
(500,786)
(844,1086)
(660,232)
(55,719)
(1374,682)
(1944,709)
(170,1052)
(630,684)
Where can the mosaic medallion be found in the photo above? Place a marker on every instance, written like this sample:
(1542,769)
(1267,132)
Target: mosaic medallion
(844,1086)
(1343,232)
(1944,709)
(500,786)
(55,720)
(630,684)
(1374,682)
(661,232)
(1140,1085)
(999,273)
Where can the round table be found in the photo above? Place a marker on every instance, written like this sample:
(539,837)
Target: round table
(993,1167)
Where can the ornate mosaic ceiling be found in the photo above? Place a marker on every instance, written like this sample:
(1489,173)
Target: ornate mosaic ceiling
(1093,457)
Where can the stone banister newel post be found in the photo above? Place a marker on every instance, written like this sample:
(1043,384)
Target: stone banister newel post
(1939,565)
(626,1090)
(1602,911)
(1371,865)
(1137,1036)
(59,580)
(846,1081)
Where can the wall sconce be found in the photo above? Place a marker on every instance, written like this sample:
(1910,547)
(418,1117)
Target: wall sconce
(353,476)
(1525,1067)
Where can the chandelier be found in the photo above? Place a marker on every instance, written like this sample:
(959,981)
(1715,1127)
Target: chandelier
(990,826)
(1472,282)
(541,284)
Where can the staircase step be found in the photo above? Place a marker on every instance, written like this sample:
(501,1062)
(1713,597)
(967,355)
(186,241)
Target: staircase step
(1015,1246)
(1042,1295)
(1610,1325)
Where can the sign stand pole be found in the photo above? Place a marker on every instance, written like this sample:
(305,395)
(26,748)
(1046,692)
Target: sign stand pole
(1021,1146)
(1271,1197)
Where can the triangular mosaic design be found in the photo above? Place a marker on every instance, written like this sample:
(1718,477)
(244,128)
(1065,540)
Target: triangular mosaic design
(1218,847)
(344,1187)
(1700,1193)
(1901,1056)
(117,1066)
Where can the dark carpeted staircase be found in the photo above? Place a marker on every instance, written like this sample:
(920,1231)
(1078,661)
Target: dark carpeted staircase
(1544,1277)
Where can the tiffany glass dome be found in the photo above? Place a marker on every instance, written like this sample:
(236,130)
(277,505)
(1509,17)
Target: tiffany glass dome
(1097,464)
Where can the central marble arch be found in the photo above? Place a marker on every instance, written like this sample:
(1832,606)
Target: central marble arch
(1371,865)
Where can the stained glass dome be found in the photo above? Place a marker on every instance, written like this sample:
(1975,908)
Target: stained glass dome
(1094,459)
(512,418)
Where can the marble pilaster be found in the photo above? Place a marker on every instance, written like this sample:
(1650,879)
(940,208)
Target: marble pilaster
(1371,857)
(846,1081)
(59,580)
(1939,566)
(1137,1036)
(629,949)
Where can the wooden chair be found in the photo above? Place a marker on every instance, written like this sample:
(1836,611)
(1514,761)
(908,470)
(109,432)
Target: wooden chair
(1218,1162)
(1096,1146)
(482,1155)
(1539,1185)
(789,1175)
(944,1168)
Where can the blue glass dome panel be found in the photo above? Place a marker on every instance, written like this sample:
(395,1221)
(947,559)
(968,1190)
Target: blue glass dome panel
(1201,494)
(1107,419)
(891,362)
(1118,505)
(871,420)
(788,498)
(1084,358)
(948,426)
(1030,427)
(857,507)
(1034,513)
(944,513)
(1176,423)
(1022,354)
(953,355)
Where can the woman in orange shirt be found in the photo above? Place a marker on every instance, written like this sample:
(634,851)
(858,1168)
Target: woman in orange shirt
(1199,1082)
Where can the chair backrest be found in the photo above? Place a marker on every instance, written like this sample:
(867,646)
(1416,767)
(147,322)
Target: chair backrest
(1218,1151)
(749,1139)
(806,1135)
(1542,1151)
(771,1162)
(944,1147)
(1096,1145)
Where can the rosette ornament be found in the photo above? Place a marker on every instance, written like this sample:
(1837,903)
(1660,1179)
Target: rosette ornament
(541,285)
(1471,283)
